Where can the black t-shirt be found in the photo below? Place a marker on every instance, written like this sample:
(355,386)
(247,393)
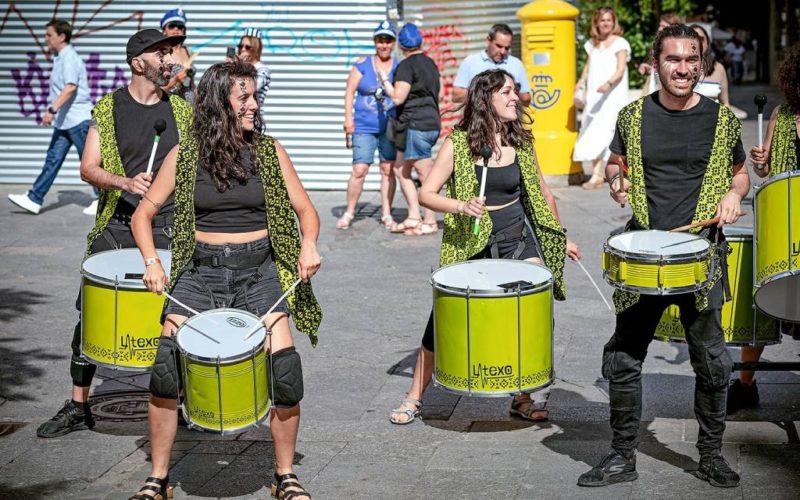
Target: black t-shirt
(676,148)
(421,109)
(133,127)
(238,209)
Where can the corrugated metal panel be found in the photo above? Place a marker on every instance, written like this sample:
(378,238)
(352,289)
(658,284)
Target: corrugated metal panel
(309,46)
(453,29)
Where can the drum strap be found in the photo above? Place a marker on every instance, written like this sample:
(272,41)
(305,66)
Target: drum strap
(512,232)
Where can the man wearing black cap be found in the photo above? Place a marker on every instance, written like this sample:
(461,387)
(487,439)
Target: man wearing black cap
(115,159)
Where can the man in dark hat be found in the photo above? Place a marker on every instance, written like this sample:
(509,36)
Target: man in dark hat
(115,159)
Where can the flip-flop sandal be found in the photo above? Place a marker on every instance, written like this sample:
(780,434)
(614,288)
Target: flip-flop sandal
(422,230)
(408,412)
(530,412)
(345,220)
(387,221)
(402,227)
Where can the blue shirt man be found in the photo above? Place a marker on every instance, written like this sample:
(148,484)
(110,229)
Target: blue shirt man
(496,56)
(69,112)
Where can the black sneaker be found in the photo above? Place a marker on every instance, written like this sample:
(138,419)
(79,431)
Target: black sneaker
(742,396)
(715,470)
(69,418)
(614,468)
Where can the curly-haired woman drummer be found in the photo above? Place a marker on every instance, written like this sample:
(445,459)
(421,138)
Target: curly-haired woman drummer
(236,244)
(518,215)
(779,153)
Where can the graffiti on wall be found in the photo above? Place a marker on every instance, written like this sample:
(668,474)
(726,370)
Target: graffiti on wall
(32,81)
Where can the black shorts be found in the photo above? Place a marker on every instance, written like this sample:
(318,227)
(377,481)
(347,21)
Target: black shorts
(203,287)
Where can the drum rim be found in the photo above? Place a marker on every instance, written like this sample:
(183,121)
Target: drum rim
(760,286)
(775,178)
(650,258)
(649,290)
(226,360)
(102,280)
(462,292)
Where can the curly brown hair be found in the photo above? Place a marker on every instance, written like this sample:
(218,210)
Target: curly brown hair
(216,127)
(789,77)
(480,120)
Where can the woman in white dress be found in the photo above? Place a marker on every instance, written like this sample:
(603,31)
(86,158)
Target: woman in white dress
(714,83)
(605,78)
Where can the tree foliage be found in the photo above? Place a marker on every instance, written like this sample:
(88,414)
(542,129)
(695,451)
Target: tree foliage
(639,20)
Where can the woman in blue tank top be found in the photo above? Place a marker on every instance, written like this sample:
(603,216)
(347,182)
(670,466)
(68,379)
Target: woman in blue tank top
(366,112)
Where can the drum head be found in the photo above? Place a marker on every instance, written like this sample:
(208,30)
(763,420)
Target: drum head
(221,333)
(737,233)
(125,266)
(492,277)
(779,298)
(656,243)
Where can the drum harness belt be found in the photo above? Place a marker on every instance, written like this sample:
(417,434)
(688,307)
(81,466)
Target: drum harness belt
(162,222)
(722,250)
(237,261)
(516,230)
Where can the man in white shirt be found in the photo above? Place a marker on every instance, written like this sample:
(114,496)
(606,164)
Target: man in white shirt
(496,56)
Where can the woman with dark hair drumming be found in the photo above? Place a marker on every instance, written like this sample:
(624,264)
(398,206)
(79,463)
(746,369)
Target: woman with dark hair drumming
(236,244)
(522,220)
(779,153)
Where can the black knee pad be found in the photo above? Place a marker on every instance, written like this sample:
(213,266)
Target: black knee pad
(164,376)
(286,378)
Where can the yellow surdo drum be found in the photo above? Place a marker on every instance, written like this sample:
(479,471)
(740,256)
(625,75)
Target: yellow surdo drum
(657,262)
(120,324)
(741,323)
(493,327)
(777,235)
(224,373)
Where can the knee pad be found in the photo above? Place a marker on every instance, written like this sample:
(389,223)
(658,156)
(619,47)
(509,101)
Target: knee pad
(286,378)
(164,377)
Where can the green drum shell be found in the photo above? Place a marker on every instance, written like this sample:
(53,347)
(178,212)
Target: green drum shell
(232,379)
(492,360)
(777,233)
(741,323)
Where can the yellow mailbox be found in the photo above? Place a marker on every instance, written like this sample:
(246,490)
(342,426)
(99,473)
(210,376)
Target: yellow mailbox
(548,53)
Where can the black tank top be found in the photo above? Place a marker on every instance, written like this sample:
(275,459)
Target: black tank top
(239,209)
(502,183)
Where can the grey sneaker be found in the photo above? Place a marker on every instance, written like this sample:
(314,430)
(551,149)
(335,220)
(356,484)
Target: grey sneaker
(69,418)
(614,468)
(715,470)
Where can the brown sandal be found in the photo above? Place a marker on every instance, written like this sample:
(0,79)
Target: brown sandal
(161,488)
(536,412)
(280,488)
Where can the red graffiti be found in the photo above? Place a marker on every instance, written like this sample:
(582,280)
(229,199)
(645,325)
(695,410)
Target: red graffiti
(436,42)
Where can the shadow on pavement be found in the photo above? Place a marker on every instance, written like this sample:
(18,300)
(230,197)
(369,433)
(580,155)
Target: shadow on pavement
(70,197)
(41,490)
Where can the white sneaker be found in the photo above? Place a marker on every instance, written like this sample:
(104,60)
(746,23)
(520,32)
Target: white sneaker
(91,209)
(22,201)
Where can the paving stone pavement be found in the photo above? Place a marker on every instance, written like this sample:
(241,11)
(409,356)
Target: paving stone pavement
(374,289)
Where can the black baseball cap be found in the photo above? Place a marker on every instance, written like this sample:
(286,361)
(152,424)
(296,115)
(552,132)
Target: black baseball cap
(145,39)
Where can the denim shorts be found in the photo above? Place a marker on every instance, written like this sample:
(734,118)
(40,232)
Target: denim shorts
(364,146)
(203,287)
(419,144)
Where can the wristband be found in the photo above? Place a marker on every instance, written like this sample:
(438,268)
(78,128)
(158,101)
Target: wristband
(51,110)
(152,260)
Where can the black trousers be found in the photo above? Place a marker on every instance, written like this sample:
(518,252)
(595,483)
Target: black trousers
(115,236)
(624,354)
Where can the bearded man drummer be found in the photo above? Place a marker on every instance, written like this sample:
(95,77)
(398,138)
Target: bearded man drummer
(677,157)
(115,159)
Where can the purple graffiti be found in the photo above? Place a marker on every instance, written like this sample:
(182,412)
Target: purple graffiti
(32,89)
(33,85)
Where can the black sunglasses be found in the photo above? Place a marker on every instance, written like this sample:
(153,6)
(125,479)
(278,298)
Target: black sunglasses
(173,26)
(245,46)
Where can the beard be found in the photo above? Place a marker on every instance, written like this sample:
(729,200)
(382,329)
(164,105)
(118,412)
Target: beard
(666,84)
(155,74)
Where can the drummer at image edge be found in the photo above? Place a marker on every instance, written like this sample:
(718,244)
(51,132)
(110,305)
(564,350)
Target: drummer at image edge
(236,244)
(518,215)
(685,163)
(115,159)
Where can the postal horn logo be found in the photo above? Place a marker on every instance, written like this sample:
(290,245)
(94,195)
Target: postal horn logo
(234,321)
(544,94)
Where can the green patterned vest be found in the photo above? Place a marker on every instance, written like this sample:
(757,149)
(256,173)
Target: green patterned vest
(716,182)
(458,242)
(281,223)
(782,154)
(103,114)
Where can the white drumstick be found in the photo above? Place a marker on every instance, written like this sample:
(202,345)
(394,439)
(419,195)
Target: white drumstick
(264,317)
(173,299)
(160,126)
(595,285)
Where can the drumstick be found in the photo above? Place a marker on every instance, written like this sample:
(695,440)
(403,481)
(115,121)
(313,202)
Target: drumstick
(702,223)
(595,284)
(173,299)
(264,317)
(486,152)
(760,101)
